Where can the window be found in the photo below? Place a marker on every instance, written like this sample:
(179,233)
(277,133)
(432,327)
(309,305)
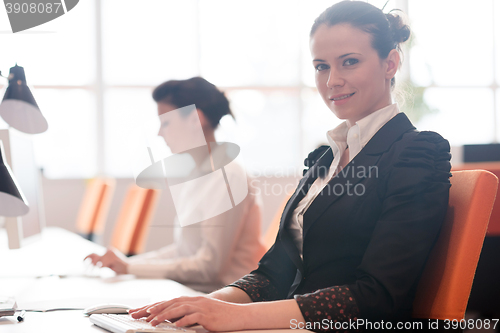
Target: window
(454,54)
(93,71)
(60,64)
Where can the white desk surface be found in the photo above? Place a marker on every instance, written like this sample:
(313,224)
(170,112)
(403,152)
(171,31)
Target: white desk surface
(73,322)
(56,251)
(49,273)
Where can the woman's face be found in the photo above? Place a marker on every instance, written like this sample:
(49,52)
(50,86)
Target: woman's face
(351,78)
(174,128)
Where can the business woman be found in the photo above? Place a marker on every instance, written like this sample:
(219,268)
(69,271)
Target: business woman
(220,248)
(356,234)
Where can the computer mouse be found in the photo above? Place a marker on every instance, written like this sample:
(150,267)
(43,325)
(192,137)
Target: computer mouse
(106,308)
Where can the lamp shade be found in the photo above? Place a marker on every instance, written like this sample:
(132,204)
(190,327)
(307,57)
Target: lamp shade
(19,108)
(12,201)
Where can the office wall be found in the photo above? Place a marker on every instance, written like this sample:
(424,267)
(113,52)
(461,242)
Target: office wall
(62,198)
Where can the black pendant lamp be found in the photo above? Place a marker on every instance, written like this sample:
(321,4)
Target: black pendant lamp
(12,201)
(19,108)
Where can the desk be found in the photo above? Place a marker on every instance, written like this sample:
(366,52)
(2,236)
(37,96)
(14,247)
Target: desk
(74,322)
(48,274)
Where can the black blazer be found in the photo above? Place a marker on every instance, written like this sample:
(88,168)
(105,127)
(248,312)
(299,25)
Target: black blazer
(371,229)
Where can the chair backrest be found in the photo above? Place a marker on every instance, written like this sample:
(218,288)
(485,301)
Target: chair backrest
(443,291)
(493,167)
(95,207)
(131,227)
(272,230)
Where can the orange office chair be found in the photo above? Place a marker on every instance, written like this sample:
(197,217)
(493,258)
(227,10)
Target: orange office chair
(485,291)
(494,168)
(95,207)
(446,282)
(131,227)
(272,230)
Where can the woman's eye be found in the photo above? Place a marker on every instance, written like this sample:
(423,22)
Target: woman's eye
(350,62)
(321,67)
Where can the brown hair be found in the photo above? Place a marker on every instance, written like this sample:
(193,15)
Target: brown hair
(212,102)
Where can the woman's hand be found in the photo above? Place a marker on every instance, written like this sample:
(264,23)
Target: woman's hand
(216,315)
(212,314)
(112,259)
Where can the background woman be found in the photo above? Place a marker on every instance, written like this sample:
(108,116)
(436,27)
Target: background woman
(356,234)
(220,249)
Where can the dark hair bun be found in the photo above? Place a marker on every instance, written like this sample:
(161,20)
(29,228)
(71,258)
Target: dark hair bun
(399,29)
(212,102)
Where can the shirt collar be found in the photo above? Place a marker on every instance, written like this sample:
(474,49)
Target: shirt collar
(358,135)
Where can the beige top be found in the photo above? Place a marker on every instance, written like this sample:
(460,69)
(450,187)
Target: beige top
(212,253)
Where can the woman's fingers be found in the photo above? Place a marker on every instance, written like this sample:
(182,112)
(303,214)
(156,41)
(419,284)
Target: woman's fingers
(105,259)
(142,308)
(150,317)
(212,314)
(136,314)
(175,311)
(142,311)
(156,309)
(93,257)
(109,259)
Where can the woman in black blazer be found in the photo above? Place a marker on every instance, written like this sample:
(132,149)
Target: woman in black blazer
(356,234)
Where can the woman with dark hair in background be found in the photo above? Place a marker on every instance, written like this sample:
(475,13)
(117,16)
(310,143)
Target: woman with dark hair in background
(216,251)
(357,232)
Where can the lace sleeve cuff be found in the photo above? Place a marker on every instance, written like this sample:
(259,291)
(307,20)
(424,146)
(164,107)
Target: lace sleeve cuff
(257,286)
(335,304)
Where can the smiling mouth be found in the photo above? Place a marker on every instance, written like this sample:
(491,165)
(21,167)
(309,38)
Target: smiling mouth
(342,97)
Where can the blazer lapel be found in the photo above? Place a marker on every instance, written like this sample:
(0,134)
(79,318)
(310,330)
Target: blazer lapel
(343,183)
(303,187)
(300,192)
(358,169)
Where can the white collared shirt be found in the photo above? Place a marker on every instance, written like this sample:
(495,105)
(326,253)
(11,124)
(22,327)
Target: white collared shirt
(339,139)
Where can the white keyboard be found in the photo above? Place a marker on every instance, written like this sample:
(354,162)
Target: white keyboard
(126,324)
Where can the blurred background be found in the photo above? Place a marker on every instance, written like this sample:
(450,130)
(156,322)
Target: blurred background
(92,72)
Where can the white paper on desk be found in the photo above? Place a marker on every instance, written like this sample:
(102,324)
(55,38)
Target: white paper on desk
(54,292)
(51,293)
(79,303)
